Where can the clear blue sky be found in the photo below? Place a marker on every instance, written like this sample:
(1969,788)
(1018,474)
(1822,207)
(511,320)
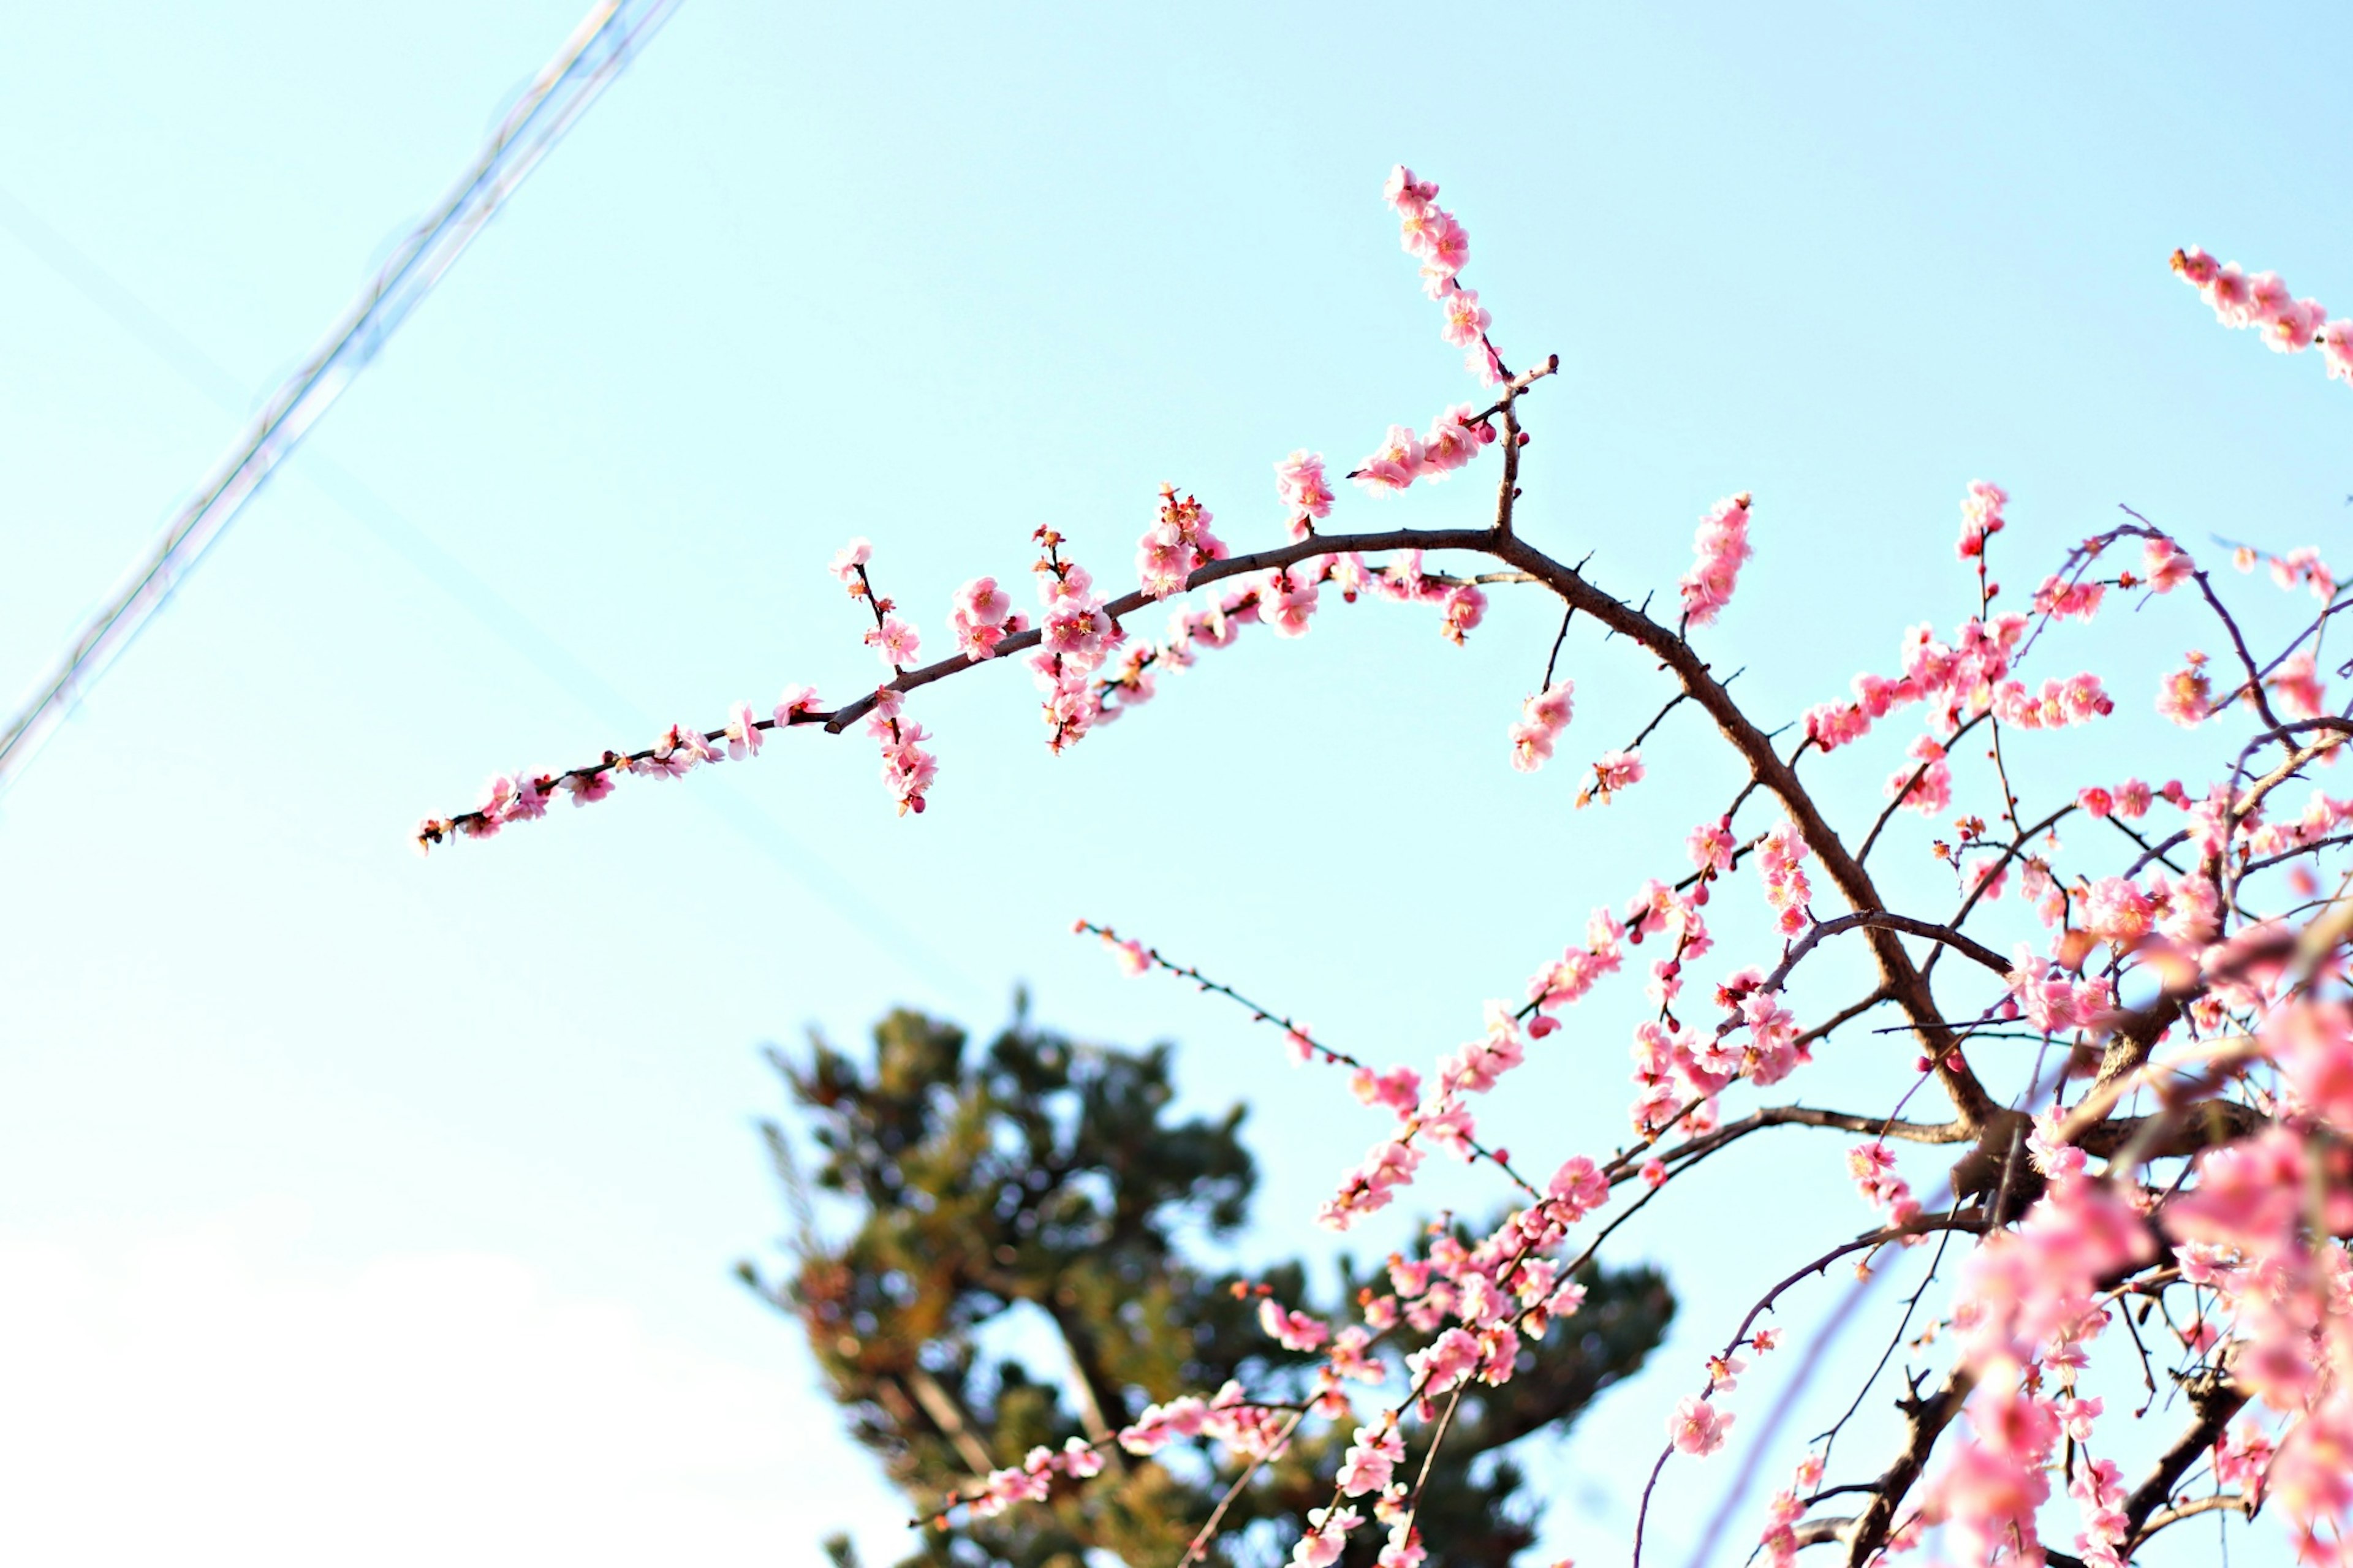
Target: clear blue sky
(357,1207)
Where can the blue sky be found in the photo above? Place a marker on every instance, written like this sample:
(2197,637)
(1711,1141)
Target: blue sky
(351,1187)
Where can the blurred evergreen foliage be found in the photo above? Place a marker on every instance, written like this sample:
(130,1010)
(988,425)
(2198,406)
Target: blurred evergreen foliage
(1019,1274)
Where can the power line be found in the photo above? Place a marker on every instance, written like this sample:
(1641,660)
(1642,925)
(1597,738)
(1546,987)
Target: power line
(496,613)
(607,40)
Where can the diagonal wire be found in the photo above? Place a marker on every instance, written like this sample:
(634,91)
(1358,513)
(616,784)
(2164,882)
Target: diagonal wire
(485,603)
(599,47)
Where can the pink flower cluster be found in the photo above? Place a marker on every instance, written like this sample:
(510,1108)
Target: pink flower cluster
(2165,565)
(2078,699)
(1697,1427)
(1981,519)
(1431,233)
(892,639)
(2064,600)
(1305,494)
(1928,786)
(1246,1429)
(1032,1480)
(2187,696)
(907,769)
(1179,541)
(1961,681)
(1780,859)
(1612,772)
(1076,635)
(1293,1331)
(1542,719)
(1719,551)
(524,798)
(1283,601)
(1370,1459)
(2050,999)
(2289,325)
(1872,1166)
(1453,439)
(2304,567)
(982,616)
(1786,1507)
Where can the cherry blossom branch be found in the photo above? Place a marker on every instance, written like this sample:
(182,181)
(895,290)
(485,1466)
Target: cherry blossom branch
(2215,1400)
(1887,814)
(2254,689)
(1883,920)
(1807,1115)
(1139,956)
(1919,1224)
(1924,1421)
(1199,1549)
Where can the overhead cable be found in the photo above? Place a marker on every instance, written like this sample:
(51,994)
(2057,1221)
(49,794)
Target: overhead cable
(607,40)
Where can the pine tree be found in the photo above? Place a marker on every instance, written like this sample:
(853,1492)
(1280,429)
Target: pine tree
(1017,1274)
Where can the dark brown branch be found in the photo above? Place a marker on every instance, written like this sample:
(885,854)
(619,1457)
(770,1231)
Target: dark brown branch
(1968,946)
(1902,978)
(1806,1116)
(1924,1421)
(2215,1400)
(1887,814)
(1986,874)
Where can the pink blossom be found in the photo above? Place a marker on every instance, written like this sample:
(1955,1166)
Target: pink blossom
(589,787)
(1465,320)
(744,732)
(1451,442)
(2114,910)
(2186,697)
(1928,786)
(2165,565)
(1980,516)
(978,616)
(1075,625)
(2337,348)
(1872,1165)
(2291,327)
(1286,602)
(1326,1536)
(2077,601)
(1577,1188)
(1780,863)
(1394,466)
(1371,1458)
(1462,608)
(1160,1424)
(895,641)
(796,700)
(1177,542)
(1406,194)
(1697,1427)
(1399,1089)
(1543,717)
(1710,845)
(2301,691)
(1299,482)
(850,558)
(1441,242)
(1720,549)
(1294,1330)
(1614,771)
(1444,1362)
